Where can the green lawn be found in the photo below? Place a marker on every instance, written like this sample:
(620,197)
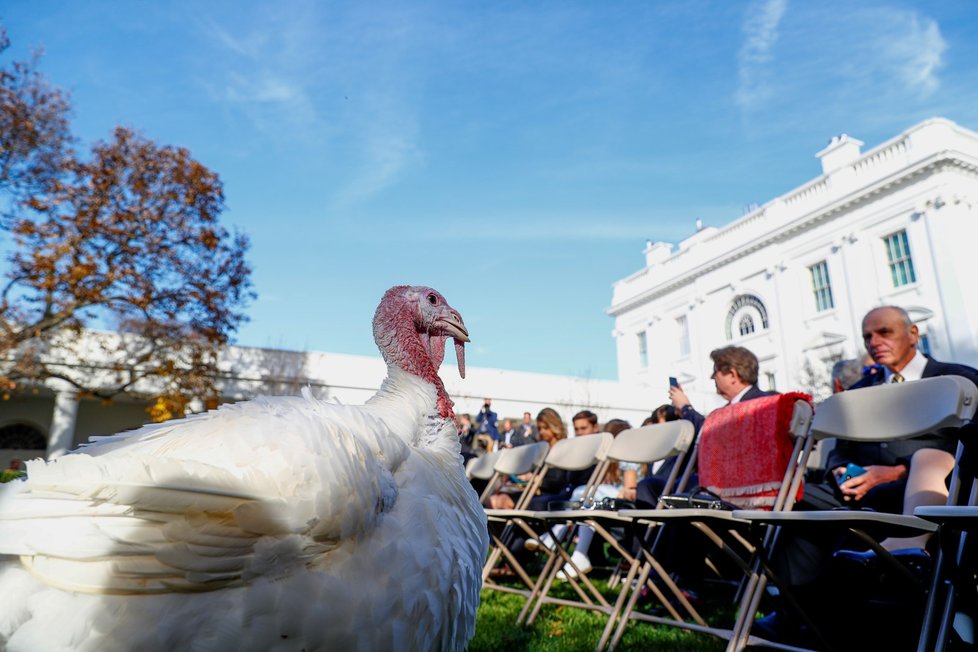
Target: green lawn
(558,629)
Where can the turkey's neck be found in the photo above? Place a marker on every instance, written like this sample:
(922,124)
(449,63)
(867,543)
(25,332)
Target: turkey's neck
(414,354)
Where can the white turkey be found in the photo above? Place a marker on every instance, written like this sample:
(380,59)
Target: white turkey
(274,524)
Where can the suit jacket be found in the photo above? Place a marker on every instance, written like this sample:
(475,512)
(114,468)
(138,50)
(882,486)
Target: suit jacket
(517,438)
(898,452)
(529,434)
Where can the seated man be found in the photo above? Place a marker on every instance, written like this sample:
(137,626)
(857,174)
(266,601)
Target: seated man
(735,376)
(899,475)
(905,474)
(684,548)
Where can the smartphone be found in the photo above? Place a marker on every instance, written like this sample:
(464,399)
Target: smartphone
(673,382)
(852,470)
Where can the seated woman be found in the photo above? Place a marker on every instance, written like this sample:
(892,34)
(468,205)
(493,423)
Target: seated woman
(557,484)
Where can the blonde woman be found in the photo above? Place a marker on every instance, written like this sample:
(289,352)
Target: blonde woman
(551,429)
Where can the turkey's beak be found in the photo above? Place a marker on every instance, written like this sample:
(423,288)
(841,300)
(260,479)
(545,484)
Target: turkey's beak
(453,325)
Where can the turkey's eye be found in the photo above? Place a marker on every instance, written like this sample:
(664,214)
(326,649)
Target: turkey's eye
(432,299)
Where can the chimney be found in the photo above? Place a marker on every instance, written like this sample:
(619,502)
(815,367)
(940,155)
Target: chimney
(842,150)
(656,252)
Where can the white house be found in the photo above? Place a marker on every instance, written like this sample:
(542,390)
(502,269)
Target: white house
(792,279)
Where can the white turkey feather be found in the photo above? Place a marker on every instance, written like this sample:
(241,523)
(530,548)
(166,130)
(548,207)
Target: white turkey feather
(275,524)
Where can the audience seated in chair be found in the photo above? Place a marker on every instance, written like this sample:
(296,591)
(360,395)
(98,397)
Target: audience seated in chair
(735,377)
(899,475)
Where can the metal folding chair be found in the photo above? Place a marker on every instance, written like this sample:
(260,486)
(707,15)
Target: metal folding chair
(574,454)
(645,445)
(722,528)
(874,414)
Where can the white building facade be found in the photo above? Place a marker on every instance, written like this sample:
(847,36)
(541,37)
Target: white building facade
(792,279)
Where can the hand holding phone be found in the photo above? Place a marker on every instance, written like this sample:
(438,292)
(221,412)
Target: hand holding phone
(673,382)
(852,471)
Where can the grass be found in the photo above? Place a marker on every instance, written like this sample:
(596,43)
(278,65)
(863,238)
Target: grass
(559,629)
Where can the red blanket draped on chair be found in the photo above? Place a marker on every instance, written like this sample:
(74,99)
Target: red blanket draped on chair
(745,449)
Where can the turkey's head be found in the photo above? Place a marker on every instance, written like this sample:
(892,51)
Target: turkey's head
(411,327)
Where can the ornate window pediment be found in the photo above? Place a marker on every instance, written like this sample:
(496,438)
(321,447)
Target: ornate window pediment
(746,316)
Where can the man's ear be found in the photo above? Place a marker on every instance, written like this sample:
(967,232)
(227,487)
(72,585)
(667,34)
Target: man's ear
(915,333)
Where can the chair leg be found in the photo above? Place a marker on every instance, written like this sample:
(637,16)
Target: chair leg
(623,595)
(629,607)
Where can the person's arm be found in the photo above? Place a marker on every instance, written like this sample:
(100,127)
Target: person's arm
(629,484)
(876,474)
(681,402)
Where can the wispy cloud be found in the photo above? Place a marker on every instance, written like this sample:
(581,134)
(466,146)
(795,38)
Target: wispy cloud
(761,35)
(912,49)
(260,73)
(346,82)
(388,142)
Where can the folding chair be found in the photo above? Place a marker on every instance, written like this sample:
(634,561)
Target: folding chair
(955,577)
(482,467)
(952,603)
(753,452)
(874,414)
(505,463)
(645,445)
(574,454)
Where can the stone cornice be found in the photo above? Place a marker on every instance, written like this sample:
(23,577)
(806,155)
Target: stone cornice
(805,221)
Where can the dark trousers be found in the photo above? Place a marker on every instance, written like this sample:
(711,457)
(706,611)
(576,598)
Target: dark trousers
(802,559)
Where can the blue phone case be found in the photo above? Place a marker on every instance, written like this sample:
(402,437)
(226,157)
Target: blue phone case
(852,470)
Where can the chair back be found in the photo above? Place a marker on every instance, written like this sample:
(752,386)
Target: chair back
(522,459)
(574,454)
(753,453)
(515,461)
(897,410)
(481,467)
(652,443)
(579,453)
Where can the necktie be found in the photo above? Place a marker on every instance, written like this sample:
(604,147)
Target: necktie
(897,378)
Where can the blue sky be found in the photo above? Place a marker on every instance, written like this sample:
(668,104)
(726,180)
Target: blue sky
(514,155)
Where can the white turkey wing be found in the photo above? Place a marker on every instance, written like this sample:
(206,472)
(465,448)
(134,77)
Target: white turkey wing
(250,489)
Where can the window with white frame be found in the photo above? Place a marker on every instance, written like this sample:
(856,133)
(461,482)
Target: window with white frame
(923,344)
(643,350)
(821,286)
(899,259)
(682,325)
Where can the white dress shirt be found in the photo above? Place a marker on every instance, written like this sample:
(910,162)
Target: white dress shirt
(913,371)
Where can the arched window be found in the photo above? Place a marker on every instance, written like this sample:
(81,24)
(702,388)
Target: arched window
(746,325)
(746,316)
(22,436)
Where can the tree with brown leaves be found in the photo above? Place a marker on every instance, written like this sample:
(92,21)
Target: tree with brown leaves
(121,278)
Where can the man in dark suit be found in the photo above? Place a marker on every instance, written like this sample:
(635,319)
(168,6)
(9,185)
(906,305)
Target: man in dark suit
(510,437)
(735,377)
(684,549)
(891,340)
(899,475)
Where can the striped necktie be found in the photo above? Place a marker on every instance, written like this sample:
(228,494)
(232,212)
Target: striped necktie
(896,378)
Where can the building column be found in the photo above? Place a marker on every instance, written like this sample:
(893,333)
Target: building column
(62,433)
